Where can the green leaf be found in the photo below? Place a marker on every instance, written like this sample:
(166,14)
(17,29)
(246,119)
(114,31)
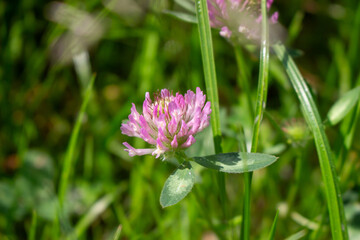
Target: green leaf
(343,106)
(182,16)
(178,185)
(188,5)
(236,162)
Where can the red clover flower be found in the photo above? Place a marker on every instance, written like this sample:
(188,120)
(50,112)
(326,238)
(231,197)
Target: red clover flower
(169,123)
(239,18)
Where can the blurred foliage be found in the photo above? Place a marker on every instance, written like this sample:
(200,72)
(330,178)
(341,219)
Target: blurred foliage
(48,52)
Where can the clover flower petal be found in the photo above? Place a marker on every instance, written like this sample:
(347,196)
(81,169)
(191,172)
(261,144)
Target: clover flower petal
(168,123)
(238,18)
(132,151)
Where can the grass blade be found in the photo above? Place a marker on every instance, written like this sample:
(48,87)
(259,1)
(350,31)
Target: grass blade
(298,235)
(259,112)
(209,70)
(311,113)
(347,132)
(343,106)
(67,166)
(211,85)
(273,227)
(94,212)
(117,233)
(32,232)
(244,78)
(263,78)
(187,4)
(182,16)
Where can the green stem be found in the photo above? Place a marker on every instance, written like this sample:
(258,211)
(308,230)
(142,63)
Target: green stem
(243,78)
(205,212)
(315,235)
(312,116)
(295,186)
(68,161)
(211,86)
(259,112)
(263,79)
(245,227)
(32,232)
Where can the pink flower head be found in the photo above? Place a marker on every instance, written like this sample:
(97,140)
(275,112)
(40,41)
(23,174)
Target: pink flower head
(239,18)
(169,123)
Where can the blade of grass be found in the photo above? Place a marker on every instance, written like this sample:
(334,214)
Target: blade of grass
(243,78)
(209,70)
(294,188)
(259,112)
(188,5)
(263,78)
(147,62)
(273,227)
(83,68)
(303,221)
(32,232)
(122,219)
(202,209)
(55,228)
(94,212)
(117,233)
(89,157)
(67,166)
(298,235)
(347,132)
(311,113)
(319,231)
(211,86)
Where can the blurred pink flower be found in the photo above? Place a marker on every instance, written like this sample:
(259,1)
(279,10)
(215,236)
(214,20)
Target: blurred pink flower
(169,123)
(238,17)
